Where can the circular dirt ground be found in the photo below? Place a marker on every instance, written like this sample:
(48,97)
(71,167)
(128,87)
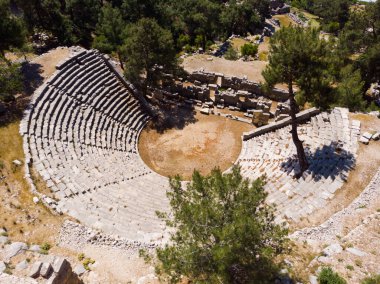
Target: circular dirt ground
(203,143)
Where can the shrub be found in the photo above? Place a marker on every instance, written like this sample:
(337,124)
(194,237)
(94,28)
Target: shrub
(231,54)
(183,40)
(328,276)
(45,247)
(81,256)
(372,280)
(249,49)
(87,262)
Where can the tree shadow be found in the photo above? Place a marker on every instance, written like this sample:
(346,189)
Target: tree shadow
(32,77)
(13,110)
(172,118)
(328,161)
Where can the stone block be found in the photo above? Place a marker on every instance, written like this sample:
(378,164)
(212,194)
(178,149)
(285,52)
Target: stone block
(46,270)
(35,269)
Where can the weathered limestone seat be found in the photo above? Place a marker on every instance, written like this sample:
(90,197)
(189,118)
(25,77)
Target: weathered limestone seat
(81,133)
(330,143)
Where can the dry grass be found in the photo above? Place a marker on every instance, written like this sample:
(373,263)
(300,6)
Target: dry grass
(24,220)
(285,20)
(237,43)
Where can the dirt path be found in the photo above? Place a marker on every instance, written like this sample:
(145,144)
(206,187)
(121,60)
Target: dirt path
(210,142)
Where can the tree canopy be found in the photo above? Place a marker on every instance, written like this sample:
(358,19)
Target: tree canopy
(298,56)
(10,81)
(148,50)
(12,31)
(224,231)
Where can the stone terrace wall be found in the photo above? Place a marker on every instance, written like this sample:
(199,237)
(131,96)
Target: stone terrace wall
(302,116)
(238,84)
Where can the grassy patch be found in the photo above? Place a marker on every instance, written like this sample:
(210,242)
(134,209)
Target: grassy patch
(237,43)
(285,20)
(263,56)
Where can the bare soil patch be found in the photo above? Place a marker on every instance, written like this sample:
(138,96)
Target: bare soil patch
(251,69)
(210,142)
(23,220)
(49,60)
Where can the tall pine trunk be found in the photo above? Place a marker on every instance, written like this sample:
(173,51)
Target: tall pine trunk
(297,142)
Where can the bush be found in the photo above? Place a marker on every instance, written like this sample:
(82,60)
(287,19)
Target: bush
(45,247)
(372,280)
(198,41)
(183,40)
(231,54)
(328,276)
(249,50)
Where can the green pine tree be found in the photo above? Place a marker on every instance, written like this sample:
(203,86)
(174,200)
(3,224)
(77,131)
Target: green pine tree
(224,231)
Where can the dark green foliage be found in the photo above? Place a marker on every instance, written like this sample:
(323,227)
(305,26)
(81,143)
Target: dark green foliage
(10,81)
(148,49)
(299,56)
(70,21)
(249,49)
(372,280)
(83,15)
(333,13)
(231,54)
(241,17)
(351,89)
(225,232)
(12,31)
(109,30)
(328,276)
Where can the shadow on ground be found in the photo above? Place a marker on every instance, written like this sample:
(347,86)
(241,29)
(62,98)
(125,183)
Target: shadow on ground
(329,161)
(13,110)
(175,118)
(32,77)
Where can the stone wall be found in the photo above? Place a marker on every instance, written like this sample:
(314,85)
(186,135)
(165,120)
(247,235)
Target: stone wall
(302,116)
(238,84)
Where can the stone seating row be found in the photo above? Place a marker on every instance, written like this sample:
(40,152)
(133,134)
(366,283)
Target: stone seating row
(81,133)
(330,143)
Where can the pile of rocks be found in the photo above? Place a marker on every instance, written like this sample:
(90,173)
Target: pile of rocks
(32,264)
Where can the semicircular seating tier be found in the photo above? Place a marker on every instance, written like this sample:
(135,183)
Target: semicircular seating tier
(81,132)
(330,141)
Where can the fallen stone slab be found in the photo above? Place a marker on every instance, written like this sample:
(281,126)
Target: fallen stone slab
(367,135)
(79,269)
(35,248)
(21,265)
(364,140)
(2,266)
(46,270)
(15,249)
(17,162)
(35,270)
(61,266)
(332,249)
(3,240)
(356,252)
(313,279)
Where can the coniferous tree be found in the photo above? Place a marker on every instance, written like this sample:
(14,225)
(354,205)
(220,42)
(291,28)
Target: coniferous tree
(297,56)
(12,30)
(149,51)
(109,31)
(224,231)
